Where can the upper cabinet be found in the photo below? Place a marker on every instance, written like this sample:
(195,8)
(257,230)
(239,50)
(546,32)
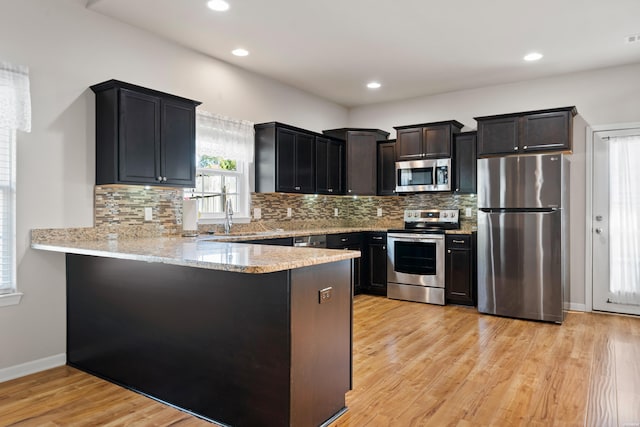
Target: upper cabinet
(143,136)
(464,157)
(285,159)
(424,141)
(531,131)
(361,158)
(330,160)
(387,168)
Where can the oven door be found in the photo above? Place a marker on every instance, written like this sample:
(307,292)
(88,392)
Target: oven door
(415,259)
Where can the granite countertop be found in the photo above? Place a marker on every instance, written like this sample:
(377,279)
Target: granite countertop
(202,253)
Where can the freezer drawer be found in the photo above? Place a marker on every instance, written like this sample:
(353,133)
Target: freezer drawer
(520,264)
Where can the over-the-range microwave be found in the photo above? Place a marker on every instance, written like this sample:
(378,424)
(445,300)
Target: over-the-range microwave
(423,175)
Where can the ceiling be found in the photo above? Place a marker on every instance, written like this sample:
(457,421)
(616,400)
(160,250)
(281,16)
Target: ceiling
(332,48)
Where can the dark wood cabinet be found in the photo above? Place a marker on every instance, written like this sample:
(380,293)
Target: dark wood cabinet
(525,132)
(464,156)
(143,136)
(285,159)
(376,262)
(427,140)
(460,277)
(330,160)
(353,242)
(387,168)
(361,158)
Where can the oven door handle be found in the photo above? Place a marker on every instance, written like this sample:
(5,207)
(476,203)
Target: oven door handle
(415,238)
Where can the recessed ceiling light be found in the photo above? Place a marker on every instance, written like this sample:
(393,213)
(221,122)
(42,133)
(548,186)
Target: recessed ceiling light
(373,85)
(533,56)
(240,52)
(218,5)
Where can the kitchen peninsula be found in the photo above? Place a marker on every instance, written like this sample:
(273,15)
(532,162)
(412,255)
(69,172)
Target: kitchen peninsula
(235,333)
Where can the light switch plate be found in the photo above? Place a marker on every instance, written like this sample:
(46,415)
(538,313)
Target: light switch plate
(335,212)
(467,212)
(379,212)
(257,213)
(289,213)
(148,214)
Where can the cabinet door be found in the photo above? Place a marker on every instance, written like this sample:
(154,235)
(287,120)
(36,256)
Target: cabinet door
(465,163)
(335,173)
(178,143)
(361,163)
(322,165)
(139,138)
(305,164)
(498,136)
(409,144)
(458,275)
(285,160)
(437,141)
(377,262)
(546,131)
(386,169)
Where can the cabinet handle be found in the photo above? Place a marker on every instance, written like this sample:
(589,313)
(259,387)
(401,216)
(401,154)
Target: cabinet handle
(159,178)
(458,241)
(449,251)
(164,178)
(384,248)
(525,147)
(331,190)
(344,239)
(297,188)
(377,238)
(515,148)
(349,191)
(457,189)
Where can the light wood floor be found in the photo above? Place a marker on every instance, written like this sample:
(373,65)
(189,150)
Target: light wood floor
(414,365)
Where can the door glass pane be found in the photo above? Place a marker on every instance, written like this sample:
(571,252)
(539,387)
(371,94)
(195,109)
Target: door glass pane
(624,224)
(415,258)
(416,176)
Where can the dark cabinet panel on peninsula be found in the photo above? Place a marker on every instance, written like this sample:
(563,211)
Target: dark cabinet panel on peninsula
(285,159)
(143,136)
(387,168)
(427,140)
(361,158)
(352,242)
(464,157)
(530,131)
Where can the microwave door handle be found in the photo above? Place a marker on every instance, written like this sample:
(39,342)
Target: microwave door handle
(434,175)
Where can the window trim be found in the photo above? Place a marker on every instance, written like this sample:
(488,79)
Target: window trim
(10,299)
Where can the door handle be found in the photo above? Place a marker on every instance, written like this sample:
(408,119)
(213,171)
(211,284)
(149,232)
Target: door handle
(599,230)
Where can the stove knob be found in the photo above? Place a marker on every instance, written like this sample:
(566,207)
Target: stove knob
(444,215)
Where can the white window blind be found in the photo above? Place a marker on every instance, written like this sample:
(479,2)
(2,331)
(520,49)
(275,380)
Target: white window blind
(15,114)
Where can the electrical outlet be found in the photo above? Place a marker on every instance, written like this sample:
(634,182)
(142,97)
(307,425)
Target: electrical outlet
(289,213)
(335,212)
(257,213)
(379,212)
(467,212)
(148,214)
(324,295)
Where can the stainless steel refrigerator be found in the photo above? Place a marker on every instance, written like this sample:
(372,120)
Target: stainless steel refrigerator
(523,239)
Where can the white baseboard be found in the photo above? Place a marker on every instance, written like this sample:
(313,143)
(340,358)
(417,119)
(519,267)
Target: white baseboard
(23,369)
(573,306)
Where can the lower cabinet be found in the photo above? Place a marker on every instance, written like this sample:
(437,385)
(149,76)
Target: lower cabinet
(353,242)
(376,261)
(460,278)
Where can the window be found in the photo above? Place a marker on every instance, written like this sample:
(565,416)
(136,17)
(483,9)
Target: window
(15,114)
(224,156)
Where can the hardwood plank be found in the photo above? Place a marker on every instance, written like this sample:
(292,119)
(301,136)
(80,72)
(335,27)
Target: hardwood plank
(414,365)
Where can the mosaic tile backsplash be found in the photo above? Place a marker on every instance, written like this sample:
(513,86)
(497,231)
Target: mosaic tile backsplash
(123,206)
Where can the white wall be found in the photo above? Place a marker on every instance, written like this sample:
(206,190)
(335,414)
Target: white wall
(604,96)
(67,49)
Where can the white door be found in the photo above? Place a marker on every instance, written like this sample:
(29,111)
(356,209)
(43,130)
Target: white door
(616,221)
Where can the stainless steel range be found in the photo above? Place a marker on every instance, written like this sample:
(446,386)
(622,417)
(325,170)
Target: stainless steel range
(415,255)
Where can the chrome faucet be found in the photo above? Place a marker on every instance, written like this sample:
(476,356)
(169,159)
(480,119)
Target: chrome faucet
(228,217)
